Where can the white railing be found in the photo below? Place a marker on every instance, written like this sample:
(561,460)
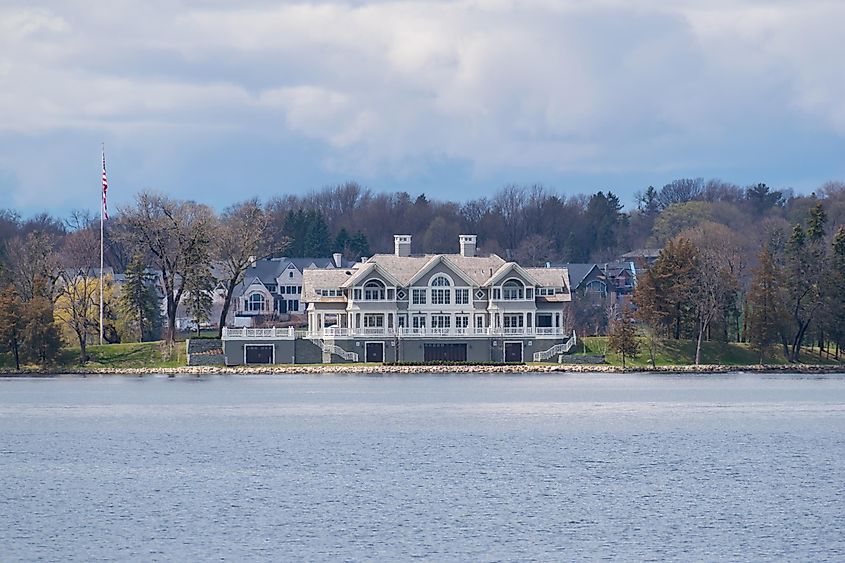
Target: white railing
(557,349)
(338,332)
(246,333)
(337,350)
(333,349)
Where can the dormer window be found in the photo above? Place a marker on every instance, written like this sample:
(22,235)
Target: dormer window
(374,290)
(513,290)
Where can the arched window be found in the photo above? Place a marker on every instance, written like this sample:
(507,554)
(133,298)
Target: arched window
(596,287)
(440,281)
(513,289)
(440,292)
(374,290)
(255,303)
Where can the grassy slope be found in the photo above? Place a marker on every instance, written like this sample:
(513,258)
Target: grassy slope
(682,352)
(128,355)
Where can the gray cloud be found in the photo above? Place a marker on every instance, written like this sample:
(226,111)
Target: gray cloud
(566,86)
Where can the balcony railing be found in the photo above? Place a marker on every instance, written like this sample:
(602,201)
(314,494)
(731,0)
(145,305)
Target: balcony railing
(258,333)
(342,332)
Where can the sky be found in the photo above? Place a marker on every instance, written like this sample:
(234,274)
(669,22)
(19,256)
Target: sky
(218,101)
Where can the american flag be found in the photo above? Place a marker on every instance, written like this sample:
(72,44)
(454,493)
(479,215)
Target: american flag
(105,188)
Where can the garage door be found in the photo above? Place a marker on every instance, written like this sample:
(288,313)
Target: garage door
(259,354)
(445,352)
(513,352)
(375,352)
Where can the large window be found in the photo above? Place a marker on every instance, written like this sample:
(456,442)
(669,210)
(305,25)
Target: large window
(513,321)
(439,295)
(418,321)
(596,287)
(462,297)
(462,321)
(418,296)
(442,322)
(513,289)
(374,291)
(255,303)
(373,320)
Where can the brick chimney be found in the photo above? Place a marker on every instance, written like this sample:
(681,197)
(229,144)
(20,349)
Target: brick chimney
(468,244)
(402,245)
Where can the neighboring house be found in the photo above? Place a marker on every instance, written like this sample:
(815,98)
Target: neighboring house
(621,276)
(272,287)
(586,279)
(611,278)
(435,307)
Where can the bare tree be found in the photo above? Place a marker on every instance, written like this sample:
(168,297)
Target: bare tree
(31,258)
(176,235)
(244,235)
(78,287)
(680,191)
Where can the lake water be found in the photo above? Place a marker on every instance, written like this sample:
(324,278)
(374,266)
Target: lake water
(440,468)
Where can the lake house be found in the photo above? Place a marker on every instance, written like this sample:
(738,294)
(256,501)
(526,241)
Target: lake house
(406,307)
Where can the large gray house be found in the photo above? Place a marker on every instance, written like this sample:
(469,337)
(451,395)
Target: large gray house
(406,307)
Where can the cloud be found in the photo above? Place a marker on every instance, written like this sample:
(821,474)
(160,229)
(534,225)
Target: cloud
(386,87)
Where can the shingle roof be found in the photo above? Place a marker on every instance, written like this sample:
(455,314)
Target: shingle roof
(403,268)
(480,269)
(577,273)
(550,277)
(313,279)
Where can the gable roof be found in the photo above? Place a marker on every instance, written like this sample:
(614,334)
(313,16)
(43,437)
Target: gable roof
(508,267)
(440,259)
(579,272)
(404,268)
(368,268)
(314,278)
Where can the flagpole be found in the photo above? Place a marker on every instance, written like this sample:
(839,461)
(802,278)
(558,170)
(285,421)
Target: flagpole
(102,217)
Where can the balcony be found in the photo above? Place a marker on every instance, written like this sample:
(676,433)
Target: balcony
(258,333)
(406,332)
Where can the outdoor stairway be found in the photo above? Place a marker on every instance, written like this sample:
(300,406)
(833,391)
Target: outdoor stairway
(333,349)
(557,349)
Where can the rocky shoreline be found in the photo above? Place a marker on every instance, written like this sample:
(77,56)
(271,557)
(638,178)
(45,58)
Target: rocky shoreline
(420,369)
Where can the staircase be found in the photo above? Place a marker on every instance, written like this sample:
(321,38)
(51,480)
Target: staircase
(333,349)
(557,349)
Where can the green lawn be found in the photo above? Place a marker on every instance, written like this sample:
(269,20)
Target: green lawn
(127,355)
(682,352)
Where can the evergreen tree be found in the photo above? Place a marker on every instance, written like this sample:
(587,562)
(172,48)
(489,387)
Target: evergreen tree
(664,294)
(648,203)
(805,271)
(200,290)
(834,303)
(358,246)
(765,302)
(11,323)
(341,241)
(604,219)
(138,300)
(316,236)
(623,336)
(815,225)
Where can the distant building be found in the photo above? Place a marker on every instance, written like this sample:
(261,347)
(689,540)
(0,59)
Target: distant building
(272,288)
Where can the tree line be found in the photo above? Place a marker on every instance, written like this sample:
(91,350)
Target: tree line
(713,235)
